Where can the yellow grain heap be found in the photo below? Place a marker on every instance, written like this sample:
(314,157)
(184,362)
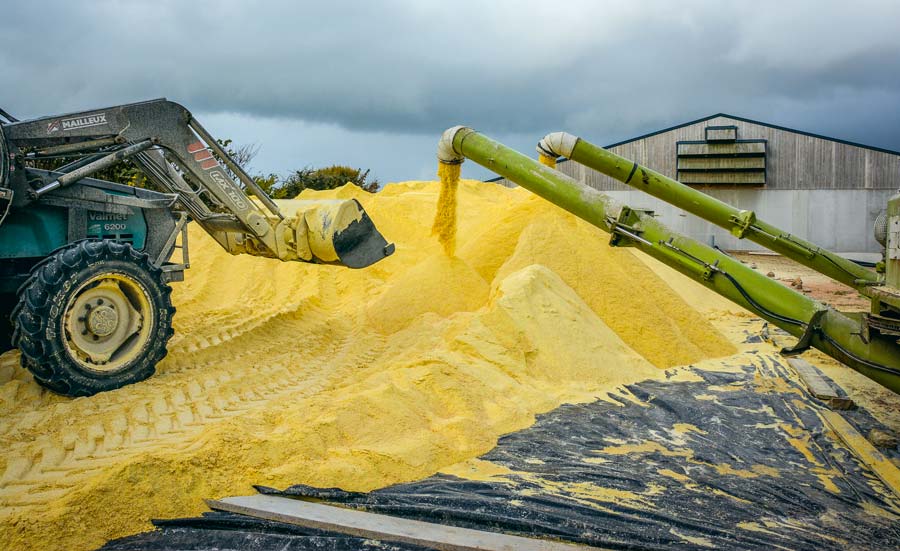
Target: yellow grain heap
(285,373)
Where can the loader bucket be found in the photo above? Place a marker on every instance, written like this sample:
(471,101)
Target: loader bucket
(335,232)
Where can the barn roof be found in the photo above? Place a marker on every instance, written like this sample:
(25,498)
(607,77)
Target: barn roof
(744,119)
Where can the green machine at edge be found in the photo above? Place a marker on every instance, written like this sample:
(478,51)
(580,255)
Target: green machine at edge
(867,342)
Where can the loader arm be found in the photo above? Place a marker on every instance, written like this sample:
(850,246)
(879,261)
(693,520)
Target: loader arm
(180,157)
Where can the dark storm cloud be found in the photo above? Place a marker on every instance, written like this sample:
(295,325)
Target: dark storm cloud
(609,70)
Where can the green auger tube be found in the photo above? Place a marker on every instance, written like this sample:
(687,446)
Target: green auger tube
(813,323)
(743,224)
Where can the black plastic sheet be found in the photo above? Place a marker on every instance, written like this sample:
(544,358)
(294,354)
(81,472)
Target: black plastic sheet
(218,531)
(740,459)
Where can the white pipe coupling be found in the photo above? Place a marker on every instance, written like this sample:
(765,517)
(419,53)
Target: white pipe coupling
(445,152)
(557,144)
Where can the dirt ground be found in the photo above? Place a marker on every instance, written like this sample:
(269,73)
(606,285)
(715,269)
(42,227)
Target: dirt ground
(806,280)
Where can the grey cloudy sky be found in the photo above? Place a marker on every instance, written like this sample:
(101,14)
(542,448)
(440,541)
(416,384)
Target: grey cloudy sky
(373,84)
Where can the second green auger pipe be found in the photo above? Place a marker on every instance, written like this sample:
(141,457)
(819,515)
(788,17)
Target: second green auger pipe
(743,224)
(813,323)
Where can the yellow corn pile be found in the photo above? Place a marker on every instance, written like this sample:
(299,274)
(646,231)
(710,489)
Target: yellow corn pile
(285,373)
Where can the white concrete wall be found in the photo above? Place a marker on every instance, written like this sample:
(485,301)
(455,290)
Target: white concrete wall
(837,220)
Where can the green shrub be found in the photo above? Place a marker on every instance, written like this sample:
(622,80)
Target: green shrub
(319,179)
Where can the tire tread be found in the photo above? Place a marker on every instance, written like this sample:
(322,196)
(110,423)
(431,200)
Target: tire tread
(34,314)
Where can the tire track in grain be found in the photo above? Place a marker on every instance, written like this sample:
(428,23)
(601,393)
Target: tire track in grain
(232,377)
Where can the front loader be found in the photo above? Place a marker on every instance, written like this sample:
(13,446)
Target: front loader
(86,263)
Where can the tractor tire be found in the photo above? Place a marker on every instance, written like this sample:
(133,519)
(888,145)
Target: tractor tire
(93,316)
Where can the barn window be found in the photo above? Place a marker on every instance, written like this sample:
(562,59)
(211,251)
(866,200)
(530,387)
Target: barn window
(721,133)
(722,159)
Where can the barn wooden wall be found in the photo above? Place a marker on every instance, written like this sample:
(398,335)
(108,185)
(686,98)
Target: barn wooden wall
(793,161)
(800,171)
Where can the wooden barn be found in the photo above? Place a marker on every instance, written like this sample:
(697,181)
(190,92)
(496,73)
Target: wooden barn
(823,189)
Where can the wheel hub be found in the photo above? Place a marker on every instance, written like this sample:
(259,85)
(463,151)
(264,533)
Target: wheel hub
(104,321)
